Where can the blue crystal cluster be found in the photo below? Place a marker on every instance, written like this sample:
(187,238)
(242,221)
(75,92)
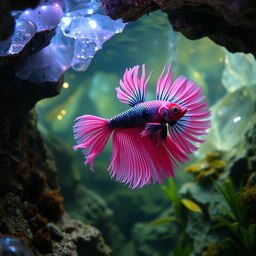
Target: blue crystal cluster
(81,29)
(12,247)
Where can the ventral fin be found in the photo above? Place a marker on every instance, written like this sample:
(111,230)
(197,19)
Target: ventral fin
(163,133)
(132,90)
(152,128)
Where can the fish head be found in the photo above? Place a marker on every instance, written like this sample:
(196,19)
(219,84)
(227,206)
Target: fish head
(172,111)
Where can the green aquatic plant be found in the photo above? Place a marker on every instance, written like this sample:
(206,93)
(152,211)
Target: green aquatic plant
(180,208)
(179,203)
(241,231)
(183,248)
(248,197)
(214,249)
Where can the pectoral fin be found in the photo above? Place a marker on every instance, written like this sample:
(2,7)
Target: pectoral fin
(155,128)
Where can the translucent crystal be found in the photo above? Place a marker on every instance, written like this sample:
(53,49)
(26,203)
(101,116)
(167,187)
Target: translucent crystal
(85,48)
(95,27)
(49,63)
(84,51)
(81,65)
(23,32)
(85,19)
(46,17)
(240,71)
(82,31)
(89,6)
(230,118)
(12,246)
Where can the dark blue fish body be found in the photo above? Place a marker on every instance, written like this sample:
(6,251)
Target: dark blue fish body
(138,115)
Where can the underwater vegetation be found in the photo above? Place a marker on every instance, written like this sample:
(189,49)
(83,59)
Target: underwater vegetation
(239,219)
(234,228)
(183,244)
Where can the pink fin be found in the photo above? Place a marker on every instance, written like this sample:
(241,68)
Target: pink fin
(132,89)
(91,134)
(164,85)
(181,91)
(194,123)
(139,161)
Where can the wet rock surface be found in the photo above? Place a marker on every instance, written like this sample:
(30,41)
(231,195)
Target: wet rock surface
(79,239)
(229,23)
(80,202)
(31,205)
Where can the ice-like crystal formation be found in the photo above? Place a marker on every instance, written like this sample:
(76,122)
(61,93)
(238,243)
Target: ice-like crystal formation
(240,71)
(13,246)
(232,114)
(81,32)
(230,118)
(23,32)
(91,6)
(46,17)
(95,27)
(85,23)
(49,63)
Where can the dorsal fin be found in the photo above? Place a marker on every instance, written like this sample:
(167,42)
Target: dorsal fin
(132,90)
(167,91)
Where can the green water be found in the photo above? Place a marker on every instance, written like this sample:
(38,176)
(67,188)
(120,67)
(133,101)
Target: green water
(150,41)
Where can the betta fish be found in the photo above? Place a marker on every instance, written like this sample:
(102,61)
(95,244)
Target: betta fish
(151,139)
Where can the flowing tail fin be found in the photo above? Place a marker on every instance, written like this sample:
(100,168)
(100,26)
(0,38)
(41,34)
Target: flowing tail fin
(138,161)
(91,134)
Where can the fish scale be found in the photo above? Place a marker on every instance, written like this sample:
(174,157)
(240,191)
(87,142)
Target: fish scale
(138,115)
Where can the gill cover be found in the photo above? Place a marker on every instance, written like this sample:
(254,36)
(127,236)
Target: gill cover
(172,111)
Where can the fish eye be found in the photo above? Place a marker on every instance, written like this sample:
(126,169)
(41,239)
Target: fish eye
(175,110)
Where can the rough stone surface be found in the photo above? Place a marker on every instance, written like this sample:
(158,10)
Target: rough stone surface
(229,23)
(251,148)
(31,207)
(80,202)
(79,239)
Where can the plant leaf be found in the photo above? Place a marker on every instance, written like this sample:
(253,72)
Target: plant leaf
(172,194)
(163,220)
(191,205)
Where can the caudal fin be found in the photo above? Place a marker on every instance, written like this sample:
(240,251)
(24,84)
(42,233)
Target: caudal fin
(91,134)
(138,161)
